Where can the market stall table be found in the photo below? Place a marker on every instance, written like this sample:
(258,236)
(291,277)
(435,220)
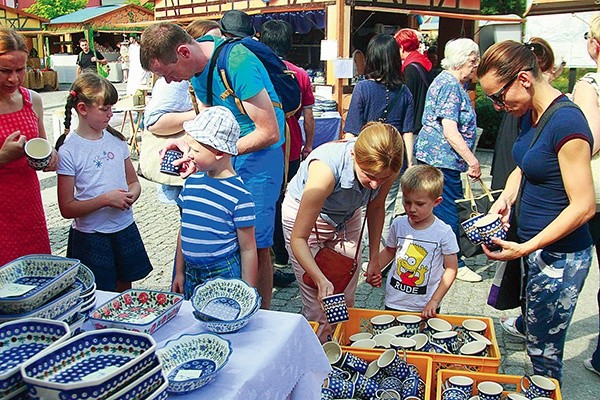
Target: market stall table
(276,356)
(327,128)
(39,80)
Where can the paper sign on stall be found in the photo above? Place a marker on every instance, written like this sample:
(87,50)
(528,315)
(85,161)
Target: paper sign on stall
(329,49)
(343,68)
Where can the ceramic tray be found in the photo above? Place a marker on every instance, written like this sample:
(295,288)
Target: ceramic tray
(191,361)
(137,310)
(21,340)
(92,366)
(145,385)
(46,276)
(57,306)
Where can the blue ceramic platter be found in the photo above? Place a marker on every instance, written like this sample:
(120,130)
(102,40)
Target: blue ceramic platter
(143,386)
(20,341)
(92,365)
(49,275)
(223,308)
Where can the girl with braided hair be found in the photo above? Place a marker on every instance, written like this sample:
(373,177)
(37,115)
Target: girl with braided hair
(97,186)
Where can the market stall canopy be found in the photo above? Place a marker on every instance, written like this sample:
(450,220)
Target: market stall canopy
(545,7)
(102,17)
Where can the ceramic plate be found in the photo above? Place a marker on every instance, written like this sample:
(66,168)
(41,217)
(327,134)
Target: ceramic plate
(93,365)
(192,361)
(222,308)
(137,310)
(30,281)
(21,340)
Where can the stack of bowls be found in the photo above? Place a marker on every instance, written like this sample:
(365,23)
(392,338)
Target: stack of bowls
(225,305)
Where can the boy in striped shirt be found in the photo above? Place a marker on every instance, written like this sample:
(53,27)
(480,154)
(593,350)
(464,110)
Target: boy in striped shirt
(216,238)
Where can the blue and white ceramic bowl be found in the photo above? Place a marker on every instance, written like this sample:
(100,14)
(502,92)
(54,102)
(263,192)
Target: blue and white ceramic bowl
(21,340)
(91,366)
(47,275)
(192,361)
(223,326)
(143,386)
(208,299)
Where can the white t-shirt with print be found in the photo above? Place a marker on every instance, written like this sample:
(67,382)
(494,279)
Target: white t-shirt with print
(98,167)
(418,266)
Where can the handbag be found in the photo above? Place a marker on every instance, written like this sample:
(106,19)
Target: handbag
(150,159)
(337,267)
(593,78)
(103,70)
(469,207)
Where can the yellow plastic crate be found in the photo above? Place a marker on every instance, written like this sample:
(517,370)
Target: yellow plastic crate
(360,322)
(314,325)
(504,380)
(424,364)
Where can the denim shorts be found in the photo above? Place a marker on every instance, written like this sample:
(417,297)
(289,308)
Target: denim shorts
(262,172)
(111,256)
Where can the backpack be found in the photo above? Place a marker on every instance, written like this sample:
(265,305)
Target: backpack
(284,80)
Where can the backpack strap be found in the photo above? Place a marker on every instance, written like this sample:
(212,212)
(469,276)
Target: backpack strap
(422,73)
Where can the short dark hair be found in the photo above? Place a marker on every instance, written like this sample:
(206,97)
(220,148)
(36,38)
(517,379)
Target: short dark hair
(277,34)
(383,61)
(160,42)
(82,40)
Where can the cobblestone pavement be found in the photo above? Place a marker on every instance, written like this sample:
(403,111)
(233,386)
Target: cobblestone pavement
(158,224)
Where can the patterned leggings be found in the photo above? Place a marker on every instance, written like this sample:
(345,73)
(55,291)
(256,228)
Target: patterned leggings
(553,285)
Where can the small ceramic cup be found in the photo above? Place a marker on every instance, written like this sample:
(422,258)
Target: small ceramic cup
(435,325)
(38,152)
(462,383)
(397,331)
(335,307)
(516,396)
(537,386)
(476,349)
(383,340)
(489,390)
(327,394)
(392,364)
(412,323)
(360,336)
(337,372)
(352,363)
(490,226)
(448,339)
(374,372)
(341,388)
(333,351)
(474,325)
(454,394)
(365,344)
(387,394)
(413,386)
(364,388)
(382,322)
(166,166)
(471,230)
(391,383)
(421,340)
(402,343)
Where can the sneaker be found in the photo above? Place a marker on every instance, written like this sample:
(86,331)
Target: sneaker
(588,365)
(282,279)
(465,274)
(509,326)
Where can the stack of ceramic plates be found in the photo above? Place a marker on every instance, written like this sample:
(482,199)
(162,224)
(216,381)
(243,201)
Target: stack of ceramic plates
(39,286)
(107,364)
(137,310)
(21,340)
(225,305)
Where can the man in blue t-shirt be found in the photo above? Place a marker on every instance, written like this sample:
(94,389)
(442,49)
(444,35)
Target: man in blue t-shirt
(167,50)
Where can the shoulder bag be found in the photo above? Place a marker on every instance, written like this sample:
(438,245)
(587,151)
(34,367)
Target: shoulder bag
(593,78)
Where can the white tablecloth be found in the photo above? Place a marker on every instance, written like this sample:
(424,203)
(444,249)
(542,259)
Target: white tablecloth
(276,356)
(327,128)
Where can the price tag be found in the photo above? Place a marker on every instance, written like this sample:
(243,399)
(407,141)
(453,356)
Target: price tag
(102,373)
(185,374)
(15,289)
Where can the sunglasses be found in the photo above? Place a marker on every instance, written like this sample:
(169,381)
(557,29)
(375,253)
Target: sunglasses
(498,97)
(587,35)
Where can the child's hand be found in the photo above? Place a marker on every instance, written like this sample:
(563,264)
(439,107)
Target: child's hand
(178,282)
(120,199)
(374,280)
(430,309)
(373,273)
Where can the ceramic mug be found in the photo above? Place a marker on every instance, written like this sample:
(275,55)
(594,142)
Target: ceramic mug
(402,343)
(454,394)
(374,372)
(398,331)
(327,394)
(435,325)
(364,388)
(490,226)
(333,351)
(341,388)
(448,339)
(516,396)
(421,340)
(352,363)
(381,322)
(360,336)
(337,372)
(471,230)
(537,386)
(387,394)
(489,390)
(383,340)
(413,386)
(476,349)
(463,383)
(392,364)
(38,152)
(166,165)
(365,344)
(391,383)
(335,307)
(412,323)
(474,325)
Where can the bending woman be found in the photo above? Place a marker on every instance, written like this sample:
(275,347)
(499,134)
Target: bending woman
(557,198)
(327,193)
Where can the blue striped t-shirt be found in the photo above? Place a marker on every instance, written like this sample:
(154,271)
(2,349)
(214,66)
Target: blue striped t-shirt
(212,210)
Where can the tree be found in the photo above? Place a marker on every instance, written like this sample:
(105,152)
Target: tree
(491,7)
(55,8)
(149,4)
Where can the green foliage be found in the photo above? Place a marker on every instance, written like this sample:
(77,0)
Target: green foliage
(495,7)
(149,5)
(55,8)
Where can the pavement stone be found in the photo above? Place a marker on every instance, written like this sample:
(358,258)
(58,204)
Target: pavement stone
(158,225)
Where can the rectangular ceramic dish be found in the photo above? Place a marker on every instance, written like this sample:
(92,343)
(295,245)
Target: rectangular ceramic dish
(137,310)
(30,281)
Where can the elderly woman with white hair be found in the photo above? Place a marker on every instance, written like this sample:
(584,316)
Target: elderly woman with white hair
(447,138)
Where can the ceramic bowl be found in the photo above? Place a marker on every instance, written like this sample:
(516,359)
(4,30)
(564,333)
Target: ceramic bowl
(223,326)
(57,306)
(143,386)
(160,394)
(192,361)
(137,310)
(77,325)
(86,276)
(47,275)
(91,366)
(19,341)
(225,299)
(71,314)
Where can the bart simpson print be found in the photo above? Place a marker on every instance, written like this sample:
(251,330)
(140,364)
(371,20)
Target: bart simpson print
(410,267)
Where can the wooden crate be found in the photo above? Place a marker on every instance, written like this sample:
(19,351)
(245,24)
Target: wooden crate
(504,380)
(423,363)
(360,322)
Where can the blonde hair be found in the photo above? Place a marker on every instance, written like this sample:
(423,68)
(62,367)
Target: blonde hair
(201,27)
(595,27)
(11,40)
(423,178)
(379,147)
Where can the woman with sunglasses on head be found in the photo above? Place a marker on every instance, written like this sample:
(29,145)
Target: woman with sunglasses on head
(587,96)
(556,200)
(447,138)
